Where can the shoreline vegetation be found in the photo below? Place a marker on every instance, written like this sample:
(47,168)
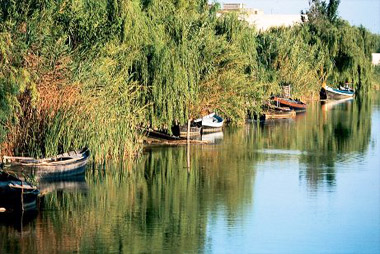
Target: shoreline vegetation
(86,73)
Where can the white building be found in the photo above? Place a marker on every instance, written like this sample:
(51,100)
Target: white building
(256,17)
(266,21)
(376,58)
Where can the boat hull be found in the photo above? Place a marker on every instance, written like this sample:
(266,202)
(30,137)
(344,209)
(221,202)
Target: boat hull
(336,94)
(211,123)
(16,195)
(296,105)
(62,166)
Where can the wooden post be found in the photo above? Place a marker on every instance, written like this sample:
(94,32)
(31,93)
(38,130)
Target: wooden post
(188,144)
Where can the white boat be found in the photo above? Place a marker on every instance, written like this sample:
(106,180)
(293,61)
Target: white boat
(211,123)
(337,94)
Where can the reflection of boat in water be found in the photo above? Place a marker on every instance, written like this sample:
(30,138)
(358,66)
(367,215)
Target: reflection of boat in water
(213,137)
(194,131)
(16,195)
(19,220)
(329,104)
(71,184)
(62,165)
(337,94)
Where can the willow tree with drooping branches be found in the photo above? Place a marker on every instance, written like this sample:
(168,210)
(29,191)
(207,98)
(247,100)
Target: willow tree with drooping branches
(97,73)
(347,48)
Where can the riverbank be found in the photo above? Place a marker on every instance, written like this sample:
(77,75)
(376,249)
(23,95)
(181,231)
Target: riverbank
(94,76)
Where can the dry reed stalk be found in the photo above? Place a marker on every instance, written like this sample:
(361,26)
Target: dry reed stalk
(54,93)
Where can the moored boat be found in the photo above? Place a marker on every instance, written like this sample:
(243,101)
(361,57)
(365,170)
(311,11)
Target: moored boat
(63,165)
(271,111)
(337,94)
(297,105)
(16,195)
(211,123)
(160,135)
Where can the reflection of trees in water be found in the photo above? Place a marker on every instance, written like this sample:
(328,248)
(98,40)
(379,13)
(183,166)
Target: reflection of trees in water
(16,235)
(345,132)
(152,206)
(324,135)
(159,204)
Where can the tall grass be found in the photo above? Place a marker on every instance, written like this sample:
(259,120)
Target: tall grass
(95,73)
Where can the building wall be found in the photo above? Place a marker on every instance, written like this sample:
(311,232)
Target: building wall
(264,21)
(256,17)
(376,58)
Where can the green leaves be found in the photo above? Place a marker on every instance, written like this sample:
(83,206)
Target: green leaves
(94,73)
(12,80)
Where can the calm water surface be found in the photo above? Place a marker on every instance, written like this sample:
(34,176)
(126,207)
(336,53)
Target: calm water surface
(309,185)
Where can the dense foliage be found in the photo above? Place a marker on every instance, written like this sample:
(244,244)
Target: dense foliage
(348,49)
(95,73)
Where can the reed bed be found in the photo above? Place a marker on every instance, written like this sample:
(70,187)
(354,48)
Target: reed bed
(95,73)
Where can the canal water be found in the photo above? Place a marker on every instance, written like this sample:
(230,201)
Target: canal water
(308,185)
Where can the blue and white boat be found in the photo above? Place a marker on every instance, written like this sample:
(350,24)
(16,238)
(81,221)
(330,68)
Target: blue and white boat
(337,94)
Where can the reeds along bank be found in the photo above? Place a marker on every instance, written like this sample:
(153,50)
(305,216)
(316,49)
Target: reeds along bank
(91,73)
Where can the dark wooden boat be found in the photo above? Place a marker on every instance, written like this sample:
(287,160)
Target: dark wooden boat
(273,112)
(63,165)
(16,195)
(155,134)
(293,104)
(338,94)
